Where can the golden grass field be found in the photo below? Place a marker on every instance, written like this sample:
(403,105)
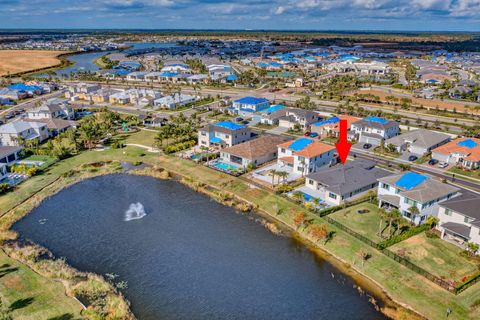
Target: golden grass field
(15,61)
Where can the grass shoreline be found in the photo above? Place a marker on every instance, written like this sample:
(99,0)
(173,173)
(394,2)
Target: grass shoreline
(403,292)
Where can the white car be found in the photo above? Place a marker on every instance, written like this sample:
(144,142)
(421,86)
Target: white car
(442,165)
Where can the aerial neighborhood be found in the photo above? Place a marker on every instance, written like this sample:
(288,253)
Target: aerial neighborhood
(261,124)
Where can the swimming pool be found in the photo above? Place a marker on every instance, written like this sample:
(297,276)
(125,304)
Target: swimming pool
(224,166)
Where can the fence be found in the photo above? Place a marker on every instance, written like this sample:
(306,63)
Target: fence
(351,232)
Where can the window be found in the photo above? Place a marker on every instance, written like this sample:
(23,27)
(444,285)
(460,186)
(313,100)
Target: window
(283,150)
(332,195)
(467,220)
(385,186)
(310,182)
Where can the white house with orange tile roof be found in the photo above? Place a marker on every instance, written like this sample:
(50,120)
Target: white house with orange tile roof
(305,155)
(463,151)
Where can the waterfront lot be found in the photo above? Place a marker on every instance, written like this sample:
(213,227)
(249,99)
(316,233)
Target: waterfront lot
(15,61)
(436,256)
(31,296)
(143,137)
(367,224)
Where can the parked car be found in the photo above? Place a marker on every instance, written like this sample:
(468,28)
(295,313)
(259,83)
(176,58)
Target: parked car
(412,158)
(245,122)
(307,134)
(367,146)
(432,162)
(443,165)
(10,115)
(313,135)
(239,119)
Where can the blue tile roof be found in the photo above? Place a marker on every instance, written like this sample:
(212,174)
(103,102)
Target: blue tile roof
(300,144)
(328,121)
(215,140)
(273,108)
(229,125)
(24,87)
(251,100)
(377,120)
(469,143)
(410,180)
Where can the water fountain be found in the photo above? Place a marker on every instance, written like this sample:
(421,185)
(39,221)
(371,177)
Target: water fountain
(135,211)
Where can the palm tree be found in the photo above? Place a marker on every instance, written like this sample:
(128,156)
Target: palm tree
(393,217)
(413,210)
(272,173)
(384,217)
(283,175)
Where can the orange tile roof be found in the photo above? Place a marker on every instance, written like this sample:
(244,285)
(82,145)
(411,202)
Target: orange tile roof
(286,159)
(314,149)
(335,126)
(471,154)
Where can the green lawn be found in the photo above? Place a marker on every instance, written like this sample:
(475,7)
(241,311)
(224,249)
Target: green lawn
(143,137)
(473,174)
(436,256)
(366,224)
(31,296)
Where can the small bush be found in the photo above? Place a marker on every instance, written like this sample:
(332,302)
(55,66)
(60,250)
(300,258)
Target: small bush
(118,145)
(137,163)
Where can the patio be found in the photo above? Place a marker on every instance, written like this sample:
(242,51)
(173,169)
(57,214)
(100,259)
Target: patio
(310,195)
(263,174)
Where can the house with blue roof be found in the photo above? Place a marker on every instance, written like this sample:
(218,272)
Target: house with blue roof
(29,89)
(409,190)
(374,129)
(246,106)
(464,152)
(223,134)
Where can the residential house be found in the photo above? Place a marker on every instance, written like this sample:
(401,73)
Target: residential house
(464,152)
(219,71)
(249,105)
(253,152)
(341,183)
(11,94)
(223,134)
(459,219)
(373,130)
(13,132)
(459,92)
(295,117)
(174,101)
(121,97)
(331,126)
(51,111)
(271,115)
(176,67)
(410,189)
(305,155)
(102,95)
(31,90)
(136,76)
(55,125)
(418,142)
(9,154)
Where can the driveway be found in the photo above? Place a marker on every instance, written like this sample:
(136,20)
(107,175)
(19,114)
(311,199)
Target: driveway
(277,130)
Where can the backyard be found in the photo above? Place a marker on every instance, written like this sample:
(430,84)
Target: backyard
(436,256)
(367,223)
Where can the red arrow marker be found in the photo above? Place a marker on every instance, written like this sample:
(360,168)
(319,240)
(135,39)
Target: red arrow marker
(343,146)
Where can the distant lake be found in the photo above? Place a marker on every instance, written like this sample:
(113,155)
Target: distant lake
(189,257)
(85,61)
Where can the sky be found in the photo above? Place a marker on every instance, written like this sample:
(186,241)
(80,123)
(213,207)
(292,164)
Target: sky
(413,15)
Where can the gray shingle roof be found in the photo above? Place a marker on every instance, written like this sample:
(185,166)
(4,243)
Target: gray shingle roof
(422,138)
(350,177)
(467,204)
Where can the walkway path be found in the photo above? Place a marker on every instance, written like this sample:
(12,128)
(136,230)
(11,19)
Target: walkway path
(149,149)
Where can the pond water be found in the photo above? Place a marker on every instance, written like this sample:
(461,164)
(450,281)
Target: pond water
(189,257)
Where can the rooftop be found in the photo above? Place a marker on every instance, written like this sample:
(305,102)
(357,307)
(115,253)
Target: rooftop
(229,125)
(468,147)
(251,100)
(256,148)
(306,147)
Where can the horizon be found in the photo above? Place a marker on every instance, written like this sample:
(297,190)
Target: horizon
(281,15)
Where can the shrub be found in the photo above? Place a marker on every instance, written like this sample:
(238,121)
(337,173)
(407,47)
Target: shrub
(405,235)
(118,145)
(283,188)
(137,163)
(179,146)
(4,187)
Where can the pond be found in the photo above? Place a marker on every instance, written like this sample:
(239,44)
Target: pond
(185,256)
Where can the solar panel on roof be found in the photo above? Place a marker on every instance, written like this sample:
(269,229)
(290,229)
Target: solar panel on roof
(410,180)
(300,144)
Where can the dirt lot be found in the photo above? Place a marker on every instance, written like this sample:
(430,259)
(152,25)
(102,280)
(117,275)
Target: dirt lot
(15,61)
(427,103)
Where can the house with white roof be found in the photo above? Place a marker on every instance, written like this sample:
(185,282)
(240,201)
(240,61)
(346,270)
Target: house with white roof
(136,76)
(51,111)
(174,101)
(410,189)
(13,132)
(176,67)
(298,117)
(223,134)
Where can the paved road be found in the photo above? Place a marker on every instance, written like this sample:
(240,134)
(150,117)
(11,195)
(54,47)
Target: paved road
(31,102)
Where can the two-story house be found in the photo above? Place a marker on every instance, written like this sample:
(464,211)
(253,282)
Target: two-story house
(12,133)
(459,219)
(410,189)
(223,134)
(51,111)
(305,155)
(295,117)
(373,130)
(246,106)
(331,126)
